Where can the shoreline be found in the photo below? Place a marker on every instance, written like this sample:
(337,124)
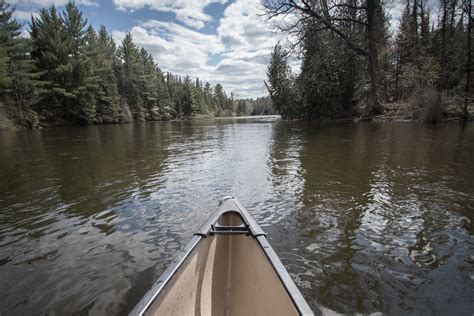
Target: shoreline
(9,126)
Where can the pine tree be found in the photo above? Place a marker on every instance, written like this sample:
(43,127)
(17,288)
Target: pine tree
(188,99)
(404,52)
(209,107)
(8,30)
(327,83)
(280,83)
(59,40)
(219,100)
(6,25)
(129,69)
(19,84)
(149,83)
(70,74)
(101,80)
(241,108)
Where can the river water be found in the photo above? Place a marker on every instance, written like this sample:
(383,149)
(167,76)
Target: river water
(367,217)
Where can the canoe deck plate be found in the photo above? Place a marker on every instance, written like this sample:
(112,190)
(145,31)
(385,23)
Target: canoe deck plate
(229,230)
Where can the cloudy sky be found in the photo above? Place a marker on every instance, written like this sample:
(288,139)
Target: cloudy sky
(224,41)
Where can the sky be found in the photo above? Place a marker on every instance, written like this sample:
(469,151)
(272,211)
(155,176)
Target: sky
(225,41)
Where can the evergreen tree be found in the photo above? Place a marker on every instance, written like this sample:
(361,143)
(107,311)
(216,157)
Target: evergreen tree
(7,25)
(208,98)
(59,40)
(219,99)
(78,68)
(280,83)
(149,85)
(50,51)
(18,83)
(188,99)
(129,70)
(102,82)
(67,73)
(326,89)
(241,108)
(260,106)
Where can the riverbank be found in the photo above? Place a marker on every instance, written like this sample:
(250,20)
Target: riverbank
(7,123)
(392,112)
(446,109)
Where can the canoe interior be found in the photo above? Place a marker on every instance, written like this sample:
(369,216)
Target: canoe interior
(225,275)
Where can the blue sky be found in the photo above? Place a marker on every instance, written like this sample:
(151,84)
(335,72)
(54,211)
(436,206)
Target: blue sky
(222,41)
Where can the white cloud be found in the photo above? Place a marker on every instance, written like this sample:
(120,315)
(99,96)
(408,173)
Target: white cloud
(46,3)
(174,47)
(184,36)
(235,56)
(189,12)
(242,26)
(248,40)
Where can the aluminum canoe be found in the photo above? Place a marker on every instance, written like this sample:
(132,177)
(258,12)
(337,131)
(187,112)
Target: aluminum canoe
(228,268)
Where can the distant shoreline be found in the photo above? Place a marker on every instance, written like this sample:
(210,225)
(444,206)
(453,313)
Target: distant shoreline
(448,116)
(8,125)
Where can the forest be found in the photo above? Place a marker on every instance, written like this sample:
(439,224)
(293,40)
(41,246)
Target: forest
(67,73)
(353,64)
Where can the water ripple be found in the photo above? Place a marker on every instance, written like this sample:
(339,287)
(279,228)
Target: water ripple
(364,220)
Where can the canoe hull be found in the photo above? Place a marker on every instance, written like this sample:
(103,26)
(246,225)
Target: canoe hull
(224,271)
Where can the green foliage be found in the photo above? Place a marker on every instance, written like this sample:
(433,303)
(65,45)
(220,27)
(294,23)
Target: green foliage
(4,78)
(19,84)
(426,105)
(60,40)
(329,73)
(241,108)
(130,71)
(188,98)
(6,27)
(8,30)
(67,73)
(100,102)
(152,96)
(280,84)
(258,106)
(350,64)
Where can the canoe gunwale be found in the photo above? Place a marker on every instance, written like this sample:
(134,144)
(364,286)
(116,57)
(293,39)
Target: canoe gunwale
(170,271)
(290,287)
(249,227)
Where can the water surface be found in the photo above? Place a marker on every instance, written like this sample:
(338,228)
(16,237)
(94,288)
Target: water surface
(367,217)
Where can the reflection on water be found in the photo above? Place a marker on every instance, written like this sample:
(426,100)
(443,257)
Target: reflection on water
(366,217)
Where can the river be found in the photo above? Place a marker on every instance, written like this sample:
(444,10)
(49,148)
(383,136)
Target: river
(366,217)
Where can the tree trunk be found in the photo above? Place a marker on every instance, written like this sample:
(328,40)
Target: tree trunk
(416,39)
(415,24)
(469,60)
(373,108)
(443,46)
(397,74)
(423,27)
(17,95)
(454,5)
